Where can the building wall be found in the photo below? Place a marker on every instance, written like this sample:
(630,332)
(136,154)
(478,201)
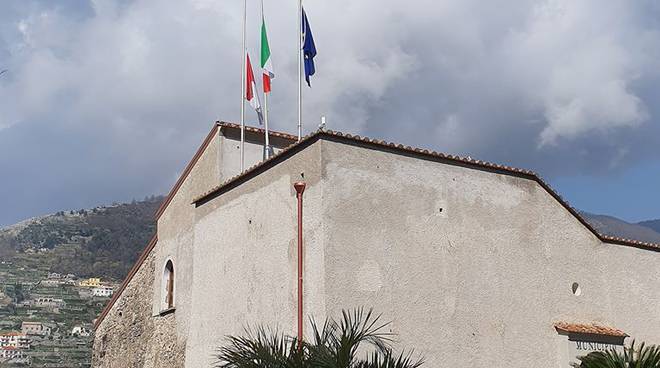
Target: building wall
(175,236)
(130,337)
(246,257)
(218,163)
(473,268)
(158,339)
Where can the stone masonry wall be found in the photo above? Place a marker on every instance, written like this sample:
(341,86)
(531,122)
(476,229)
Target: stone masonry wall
(130,337)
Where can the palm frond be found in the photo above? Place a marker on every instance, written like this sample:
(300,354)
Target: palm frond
(631,357)
(342,339)
(388,360)
(335,344)
(259,349)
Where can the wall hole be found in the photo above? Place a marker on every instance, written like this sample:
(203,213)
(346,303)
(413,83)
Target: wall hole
(577,290)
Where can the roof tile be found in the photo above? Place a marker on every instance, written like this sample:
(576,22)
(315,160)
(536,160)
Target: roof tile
(593,329)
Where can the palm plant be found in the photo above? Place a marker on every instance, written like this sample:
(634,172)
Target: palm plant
(632,357)
(335,344)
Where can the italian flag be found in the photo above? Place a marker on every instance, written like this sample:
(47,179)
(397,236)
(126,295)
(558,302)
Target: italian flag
(251,89)
(266,61)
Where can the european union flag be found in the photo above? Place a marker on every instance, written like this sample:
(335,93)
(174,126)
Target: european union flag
(309,48)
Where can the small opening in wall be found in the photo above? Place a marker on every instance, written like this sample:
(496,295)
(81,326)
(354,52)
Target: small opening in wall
(577,290)
(440,210)
(121,314)
(168,287)
(302,175)
(250,221)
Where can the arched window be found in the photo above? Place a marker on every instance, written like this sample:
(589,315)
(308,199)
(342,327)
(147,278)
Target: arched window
(168,283)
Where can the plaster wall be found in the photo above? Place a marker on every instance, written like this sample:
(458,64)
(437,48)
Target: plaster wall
(473,268)
(136,333)
(175,236)
(219,162)
(246,257)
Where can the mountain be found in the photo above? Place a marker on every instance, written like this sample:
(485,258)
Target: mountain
(648,231)
(653,224)
(101,242)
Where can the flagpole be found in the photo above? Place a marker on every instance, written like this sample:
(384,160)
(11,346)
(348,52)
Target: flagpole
(265,99)
(300,47)
(243,76)
(266,125)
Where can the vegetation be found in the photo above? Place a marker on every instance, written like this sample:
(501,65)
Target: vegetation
(102,242)
(631,357)
(336,344)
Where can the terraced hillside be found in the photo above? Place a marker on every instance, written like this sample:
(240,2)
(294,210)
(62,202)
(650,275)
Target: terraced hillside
(101,242)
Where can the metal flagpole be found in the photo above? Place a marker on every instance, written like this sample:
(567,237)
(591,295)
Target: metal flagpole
(300,47)
(243,81)
(266,125)
(265,98)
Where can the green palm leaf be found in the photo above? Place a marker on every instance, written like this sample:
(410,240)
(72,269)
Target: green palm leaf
(631,357)
(335,344)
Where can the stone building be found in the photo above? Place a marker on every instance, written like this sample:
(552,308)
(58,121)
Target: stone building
(475,264)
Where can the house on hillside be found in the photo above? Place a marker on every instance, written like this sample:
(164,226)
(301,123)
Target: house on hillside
(13,355)
(90,282)
(476,264)
(102,291)
(18,340)
(35,328)
(81,331)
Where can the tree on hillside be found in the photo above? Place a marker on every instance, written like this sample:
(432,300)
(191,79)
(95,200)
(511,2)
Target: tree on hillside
(631,357)
(336,344)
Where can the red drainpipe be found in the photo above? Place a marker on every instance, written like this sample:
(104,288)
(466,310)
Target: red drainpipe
(300,188)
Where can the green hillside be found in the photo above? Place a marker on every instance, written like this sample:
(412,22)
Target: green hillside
(101,242)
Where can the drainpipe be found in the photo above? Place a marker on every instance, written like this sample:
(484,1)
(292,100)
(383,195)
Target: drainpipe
(300,188)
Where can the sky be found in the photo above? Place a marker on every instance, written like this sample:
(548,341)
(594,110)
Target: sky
(105,101)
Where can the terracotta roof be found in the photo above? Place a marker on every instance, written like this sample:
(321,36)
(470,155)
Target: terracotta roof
(12,333)
(592,329)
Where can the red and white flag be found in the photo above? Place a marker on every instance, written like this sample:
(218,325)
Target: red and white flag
(251,94)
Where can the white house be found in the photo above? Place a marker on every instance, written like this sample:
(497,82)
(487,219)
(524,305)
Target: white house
(103,291)
(12,354)
(15,339)
(81,331)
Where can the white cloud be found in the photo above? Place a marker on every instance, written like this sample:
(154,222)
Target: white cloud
(461,75)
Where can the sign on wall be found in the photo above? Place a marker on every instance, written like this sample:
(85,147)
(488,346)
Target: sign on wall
(583,345)
(584,339)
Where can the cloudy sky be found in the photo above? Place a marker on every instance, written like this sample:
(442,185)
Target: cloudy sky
(106,100)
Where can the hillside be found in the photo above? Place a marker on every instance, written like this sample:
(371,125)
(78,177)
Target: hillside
(653,224)
(101,242)
(645,231)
